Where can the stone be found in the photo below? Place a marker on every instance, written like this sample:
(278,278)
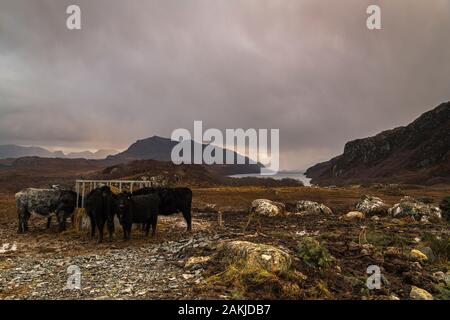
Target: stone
(248,254)
(429,253)
(393,251)
(439,276)
(371,205)
(312,207)
(410,207)
(194,261)
(354,215)
(417,255)
(268,208)
(420,294)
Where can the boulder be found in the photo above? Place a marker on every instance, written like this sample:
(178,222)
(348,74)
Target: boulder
(440,276)
(354,215)
(420,294)
(393,251)
(312,207)
(197,261)
(248,254)
(416,255)
(429,253)
(268,208)
(419,211)
(371,205)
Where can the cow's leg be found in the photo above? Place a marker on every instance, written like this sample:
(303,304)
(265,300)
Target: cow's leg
(110,229)
(27,216)
(101,227)
(129,226)
(23,216)
(124,228)
(187,216)
(154,223)
(147,228)
(91,218)
(49,222)
(60,216)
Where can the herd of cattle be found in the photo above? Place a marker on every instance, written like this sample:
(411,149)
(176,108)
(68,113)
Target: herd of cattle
(102,205)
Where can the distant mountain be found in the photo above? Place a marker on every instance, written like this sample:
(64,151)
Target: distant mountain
(100,154)
(15,151)
(158,148)
(418,153)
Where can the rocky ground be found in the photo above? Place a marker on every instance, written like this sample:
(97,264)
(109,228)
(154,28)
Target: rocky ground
(325,255)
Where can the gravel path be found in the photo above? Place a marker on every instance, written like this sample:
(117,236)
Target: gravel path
(39,269)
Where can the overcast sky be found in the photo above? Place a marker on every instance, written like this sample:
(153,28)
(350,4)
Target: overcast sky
(139,68)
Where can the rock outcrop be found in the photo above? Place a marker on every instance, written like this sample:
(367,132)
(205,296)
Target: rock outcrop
(264,207)
(410,207)
(248,254)
(371,206)
(354,215)
(312,207)
(420,294)
(418,153)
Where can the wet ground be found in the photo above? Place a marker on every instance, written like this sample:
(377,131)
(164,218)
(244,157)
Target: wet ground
(35,265)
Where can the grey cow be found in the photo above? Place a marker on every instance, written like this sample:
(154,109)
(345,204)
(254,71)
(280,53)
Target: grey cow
(45,203)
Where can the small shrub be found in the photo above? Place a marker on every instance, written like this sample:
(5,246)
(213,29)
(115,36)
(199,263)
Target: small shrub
(313,253)
(445,207)
(440,246)
(382,239)
(443,291)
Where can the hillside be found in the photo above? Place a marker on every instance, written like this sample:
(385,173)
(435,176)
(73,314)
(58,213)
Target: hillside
(418,153)
(158,148)
(100,154)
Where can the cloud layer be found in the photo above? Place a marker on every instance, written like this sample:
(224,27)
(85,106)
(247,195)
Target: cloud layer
(139,68)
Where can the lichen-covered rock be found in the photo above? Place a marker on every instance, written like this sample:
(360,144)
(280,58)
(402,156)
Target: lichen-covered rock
(268,208)
(354,215)
(371,205)
(416,255)
(429,253)
(420,294)
(248,254)
(419,211)
(312,207)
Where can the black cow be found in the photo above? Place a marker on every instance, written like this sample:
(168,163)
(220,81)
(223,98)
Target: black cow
(138,209)
(172,200)
(101,205)
(44,203)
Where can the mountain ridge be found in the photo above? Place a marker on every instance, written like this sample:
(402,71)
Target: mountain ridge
(417,153)
(13,151)
(159,148)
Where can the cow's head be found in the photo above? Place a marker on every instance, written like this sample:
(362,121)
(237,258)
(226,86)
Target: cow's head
(123,205)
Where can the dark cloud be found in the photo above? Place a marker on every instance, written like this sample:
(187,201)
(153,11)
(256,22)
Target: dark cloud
(137,68)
